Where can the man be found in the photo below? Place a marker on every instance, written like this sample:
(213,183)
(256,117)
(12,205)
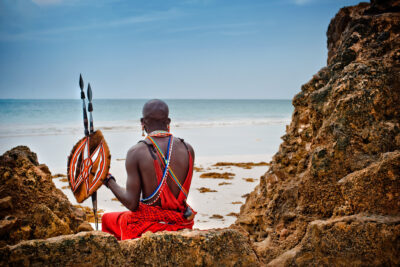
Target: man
(160,168)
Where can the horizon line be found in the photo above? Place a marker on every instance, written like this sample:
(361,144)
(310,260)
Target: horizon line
(149,98)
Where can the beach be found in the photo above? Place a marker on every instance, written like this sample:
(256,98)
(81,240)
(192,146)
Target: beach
(217,201)
(225,140)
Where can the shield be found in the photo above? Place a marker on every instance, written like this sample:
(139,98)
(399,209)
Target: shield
(88,165)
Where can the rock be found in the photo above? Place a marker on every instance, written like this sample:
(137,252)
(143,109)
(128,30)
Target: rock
(6,203)
(85,227)
(28,194)
(342,242)
(226,247)
(7,224)
(82,249)
(340,156)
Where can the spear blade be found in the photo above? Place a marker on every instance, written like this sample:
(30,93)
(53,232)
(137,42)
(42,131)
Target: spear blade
(81,84)
(89,93)
(85,119)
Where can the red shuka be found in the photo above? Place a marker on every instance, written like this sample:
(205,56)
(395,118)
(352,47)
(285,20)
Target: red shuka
(168,217)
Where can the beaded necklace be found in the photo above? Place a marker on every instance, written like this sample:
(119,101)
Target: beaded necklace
(159,133)
(164,162)
(165,172)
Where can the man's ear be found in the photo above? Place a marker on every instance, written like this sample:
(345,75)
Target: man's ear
(142,120)
(168,121)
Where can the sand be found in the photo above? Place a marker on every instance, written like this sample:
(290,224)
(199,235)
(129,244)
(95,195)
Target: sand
(219,150)
(214,209)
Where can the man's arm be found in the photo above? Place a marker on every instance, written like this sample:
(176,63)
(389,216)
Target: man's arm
(130,196)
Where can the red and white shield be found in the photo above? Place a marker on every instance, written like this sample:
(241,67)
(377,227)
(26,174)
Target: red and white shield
(88,165)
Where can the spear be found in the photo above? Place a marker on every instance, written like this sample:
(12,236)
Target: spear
(94,195)
(90,106)
(85,119)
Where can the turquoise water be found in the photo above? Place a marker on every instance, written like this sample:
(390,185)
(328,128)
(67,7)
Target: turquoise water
(53,117)
(213,127)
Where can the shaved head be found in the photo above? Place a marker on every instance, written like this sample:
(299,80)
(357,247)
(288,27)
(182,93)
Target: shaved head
(155,109)
(155,115)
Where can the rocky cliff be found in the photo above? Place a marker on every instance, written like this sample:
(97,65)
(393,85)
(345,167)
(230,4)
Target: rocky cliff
(332,193)
(31,206)
(224,247)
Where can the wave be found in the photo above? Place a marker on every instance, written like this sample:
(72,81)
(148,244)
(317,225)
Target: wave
(17,130)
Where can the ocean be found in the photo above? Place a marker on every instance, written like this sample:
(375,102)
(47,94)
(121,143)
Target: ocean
(53,117)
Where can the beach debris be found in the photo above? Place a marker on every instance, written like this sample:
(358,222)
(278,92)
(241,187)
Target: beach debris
(120,159)
(58,175)
(244,165)
(198,169)
(217,216)
(85,227)
(114,199)
(206,190)
(237,202)
(64,179)
(89,213)
(65,187)
(217,175)
(224,183)
(245,195)
(250,180)
(233,214)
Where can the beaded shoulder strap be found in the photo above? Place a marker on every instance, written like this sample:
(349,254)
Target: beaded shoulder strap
(165,172)
(165,162)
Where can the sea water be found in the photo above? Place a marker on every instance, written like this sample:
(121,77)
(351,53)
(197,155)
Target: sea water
(213,127)
(50,117)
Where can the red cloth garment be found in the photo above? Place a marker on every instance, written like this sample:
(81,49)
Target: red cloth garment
(168,217)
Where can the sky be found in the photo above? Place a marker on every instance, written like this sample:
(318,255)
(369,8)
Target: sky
(189,49)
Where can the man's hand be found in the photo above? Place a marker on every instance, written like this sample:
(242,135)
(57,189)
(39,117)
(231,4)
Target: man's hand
(108,178)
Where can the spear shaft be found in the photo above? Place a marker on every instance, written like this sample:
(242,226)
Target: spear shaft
(94,195)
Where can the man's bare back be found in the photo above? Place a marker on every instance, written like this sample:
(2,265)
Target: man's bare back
(140,161)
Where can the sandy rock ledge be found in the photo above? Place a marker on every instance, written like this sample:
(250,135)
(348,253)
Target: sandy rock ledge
(225,247)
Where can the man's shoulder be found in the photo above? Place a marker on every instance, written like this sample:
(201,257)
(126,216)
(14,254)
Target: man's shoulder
(136,150)
(187,145)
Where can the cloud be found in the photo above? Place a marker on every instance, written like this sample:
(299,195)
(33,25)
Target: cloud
(45,33)
(239,33)
(213,27)
(227,29)
(302,2)
(46,2)
(203,2)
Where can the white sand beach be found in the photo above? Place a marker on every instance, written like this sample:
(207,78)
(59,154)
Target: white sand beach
(214,209)
(211,144)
